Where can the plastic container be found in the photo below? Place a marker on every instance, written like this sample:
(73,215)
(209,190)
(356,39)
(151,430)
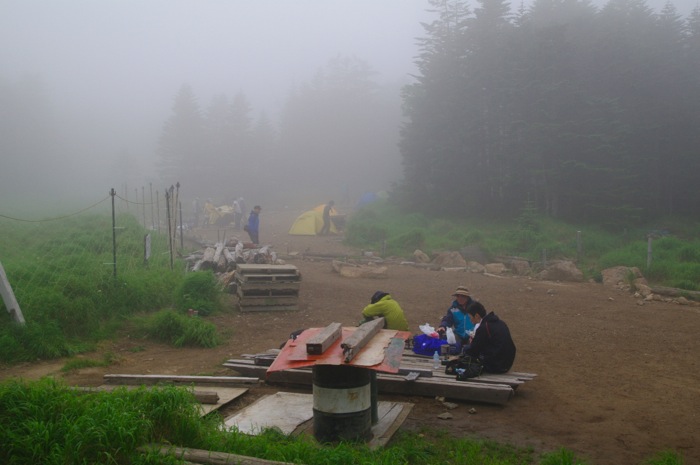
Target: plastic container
(436,360)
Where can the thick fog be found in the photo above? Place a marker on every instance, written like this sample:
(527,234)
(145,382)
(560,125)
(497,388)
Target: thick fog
(100,77)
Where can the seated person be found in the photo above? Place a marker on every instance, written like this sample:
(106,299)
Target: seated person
(382,305)
(457,318)
(492,343)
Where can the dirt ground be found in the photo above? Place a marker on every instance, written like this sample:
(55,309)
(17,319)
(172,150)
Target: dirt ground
(617,380)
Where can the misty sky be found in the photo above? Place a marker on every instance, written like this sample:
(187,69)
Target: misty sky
(117,64)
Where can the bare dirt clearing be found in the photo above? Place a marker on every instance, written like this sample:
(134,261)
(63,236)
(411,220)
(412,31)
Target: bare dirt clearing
(617,381)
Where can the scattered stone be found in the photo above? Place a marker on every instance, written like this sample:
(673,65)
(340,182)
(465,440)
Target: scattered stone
(472,410)
(450,405)
(445,416)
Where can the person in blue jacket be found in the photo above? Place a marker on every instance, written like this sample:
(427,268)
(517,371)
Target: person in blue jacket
(457,317)
(253,226)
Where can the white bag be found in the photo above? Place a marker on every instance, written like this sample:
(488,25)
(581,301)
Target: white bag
(427,329)
(451,339)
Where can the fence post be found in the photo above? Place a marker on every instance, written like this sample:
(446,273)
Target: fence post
(578,246)
(114,235)
(8,297)
(168,194)
(649,251)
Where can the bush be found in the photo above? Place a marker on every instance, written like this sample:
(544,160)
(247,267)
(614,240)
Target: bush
(179,330)
(199,291)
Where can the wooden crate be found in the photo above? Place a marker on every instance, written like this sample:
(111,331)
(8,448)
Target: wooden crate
(263,288)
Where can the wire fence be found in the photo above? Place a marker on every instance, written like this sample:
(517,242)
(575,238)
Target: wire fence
(117,234)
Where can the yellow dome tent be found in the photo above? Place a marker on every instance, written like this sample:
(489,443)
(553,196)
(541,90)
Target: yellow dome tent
(310,223)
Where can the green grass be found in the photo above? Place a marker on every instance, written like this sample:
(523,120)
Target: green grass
(47,422)
(62,276)
(675,258)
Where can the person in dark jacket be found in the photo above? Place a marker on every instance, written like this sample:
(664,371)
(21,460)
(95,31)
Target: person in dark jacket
(253,226)
(492,343)
(457,318)
(326,229)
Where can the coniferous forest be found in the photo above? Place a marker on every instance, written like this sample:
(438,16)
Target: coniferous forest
(588,114)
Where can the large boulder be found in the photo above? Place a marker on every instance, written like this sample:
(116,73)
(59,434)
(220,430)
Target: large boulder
(564,270)
(449,260)
(620,277)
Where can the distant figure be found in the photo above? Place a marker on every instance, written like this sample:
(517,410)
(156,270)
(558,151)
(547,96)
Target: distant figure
(237,214)
(195,211)
(382,305)
(326,229)
(241,202)
(253,226)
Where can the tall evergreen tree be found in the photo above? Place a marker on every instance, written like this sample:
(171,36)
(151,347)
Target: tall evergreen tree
(180,143)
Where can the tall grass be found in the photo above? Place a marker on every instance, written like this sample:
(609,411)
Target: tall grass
(675,259)
(46,422)
(62,276)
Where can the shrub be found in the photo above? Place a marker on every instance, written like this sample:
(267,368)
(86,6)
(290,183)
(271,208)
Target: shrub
(200,291)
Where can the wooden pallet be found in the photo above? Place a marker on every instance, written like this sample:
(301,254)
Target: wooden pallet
(263,288)
(413,379)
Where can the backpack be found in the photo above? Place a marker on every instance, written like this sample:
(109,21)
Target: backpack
(464,368)
(427,345)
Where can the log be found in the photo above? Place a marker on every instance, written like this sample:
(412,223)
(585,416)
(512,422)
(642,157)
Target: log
(323,340)
(217,252)
(362,335)
(207,456)
(675,292)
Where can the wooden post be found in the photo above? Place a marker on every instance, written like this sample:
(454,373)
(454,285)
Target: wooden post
(8,297)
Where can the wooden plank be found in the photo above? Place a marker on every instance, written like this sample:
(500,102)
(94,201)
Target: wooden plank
(268,300)
(206,456)
(362,335)
(154,379)
(292,414)
(266,268)
(321,341)
(268,308)
(268,277)
(389,383)
(267,285)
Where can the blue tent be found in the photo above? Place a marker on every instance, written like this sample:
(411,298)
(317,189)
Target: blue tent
(366,199)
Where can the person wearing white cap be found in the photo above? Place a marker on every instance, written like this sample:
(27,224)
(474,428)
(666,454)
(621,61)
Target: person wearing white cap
(457,318)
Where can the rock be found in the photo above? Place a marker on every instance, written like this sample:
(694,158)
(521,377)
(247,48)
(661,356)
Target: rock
(445,416)
(450,405)
(495,268)
(563,270)
(449,260)
(475,267)
(520,267)
(421,257)
(472,410)
(620,276)
(348,270)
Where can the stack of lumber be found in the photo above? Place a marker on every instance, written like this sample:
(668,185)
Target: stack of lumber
(416,376)
(267,287)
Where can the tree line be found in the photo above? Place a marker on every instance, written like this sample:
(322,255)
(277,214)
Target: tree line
(588,114)
(336,137)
